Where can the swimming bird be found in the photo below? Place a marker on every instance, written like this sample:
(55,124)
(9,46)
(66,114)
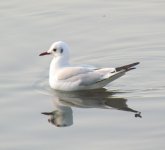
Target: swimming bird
(66,77)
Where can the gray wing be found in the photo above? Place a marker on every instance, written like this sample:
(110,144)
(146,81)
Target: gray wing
(89,76)
(85,76)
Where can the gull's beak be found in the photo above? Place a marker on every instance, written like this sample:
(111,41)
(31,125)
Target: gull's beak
(44,53)
(47,113)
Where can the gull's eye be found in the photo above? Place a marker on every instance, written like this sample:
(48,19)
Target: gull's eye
(54,49)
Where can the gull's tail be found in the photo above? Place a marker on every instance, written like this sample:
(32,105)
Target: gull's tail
(127,67)
(120,71)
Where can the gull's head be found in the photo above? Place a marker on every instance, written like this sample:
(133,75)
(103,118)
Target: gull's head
(57,49)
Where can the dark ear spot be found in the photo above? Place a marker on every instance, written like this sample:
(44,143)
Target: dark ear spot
(61,50)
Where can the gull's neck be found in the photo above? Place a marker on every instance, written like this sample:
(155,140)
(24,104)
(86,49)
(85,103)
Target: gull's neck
(56,64)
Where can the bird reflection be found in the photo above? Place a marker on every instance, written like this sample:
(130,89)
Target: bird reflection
(62,116)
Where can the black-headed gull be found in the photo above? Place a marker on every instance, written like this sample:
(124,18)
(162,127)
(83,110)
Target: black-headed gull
(65,77)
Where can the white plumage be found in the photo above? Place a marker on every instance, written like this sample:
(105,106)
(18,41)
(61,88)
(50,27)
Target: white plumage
(65,77)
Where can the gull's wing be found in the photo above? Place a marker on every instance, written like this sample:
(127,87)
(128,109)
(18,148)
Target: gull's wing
(85,76)
(127,67)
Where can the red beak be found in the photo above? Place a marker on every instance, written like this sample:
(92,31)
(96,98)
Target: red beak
(44,53)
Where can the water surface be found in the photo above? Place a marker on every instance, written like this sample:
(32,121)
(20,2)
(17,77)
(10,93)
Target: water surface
(102,33)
